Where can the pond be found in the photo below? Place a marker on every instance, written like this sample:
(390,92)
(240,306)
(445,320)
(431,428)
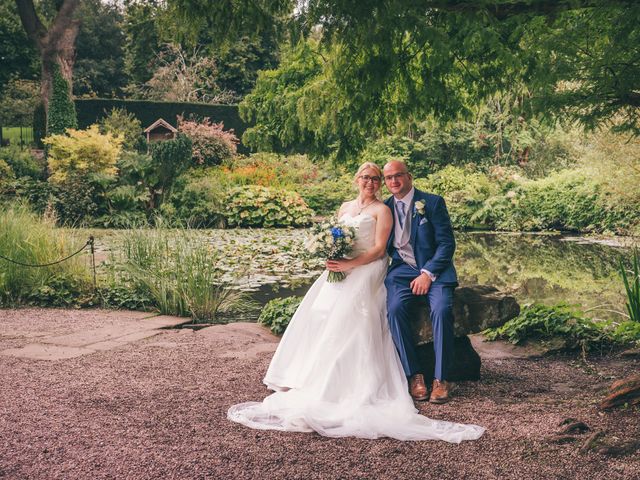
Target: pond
(542,268)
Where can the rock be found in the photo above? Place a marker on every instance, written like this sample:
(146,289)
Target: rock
(475,308)
(632,352)
(625,391)
(466,361)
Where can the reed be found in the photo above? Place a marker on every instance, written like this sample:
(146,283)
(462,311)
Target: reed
(179,272)
(28,238)
(631,281)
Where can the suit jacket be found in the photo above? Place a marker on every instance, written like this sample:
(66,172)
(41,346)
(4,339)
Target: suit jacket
(431,237)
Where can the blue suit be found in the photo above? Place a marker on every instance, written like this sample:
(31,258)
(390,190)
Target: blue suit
(433,246)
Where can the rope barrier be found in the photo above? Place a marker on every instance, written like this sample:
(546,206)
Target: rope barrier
(90,243)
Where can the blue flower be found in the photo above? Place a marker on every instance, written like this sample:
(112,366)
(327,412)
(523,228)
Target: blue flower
(337,232)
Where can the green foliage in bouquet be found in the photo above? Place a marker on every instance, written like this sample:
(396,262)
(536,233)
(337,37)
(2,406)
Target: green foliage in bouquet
(256,206)
(277,314)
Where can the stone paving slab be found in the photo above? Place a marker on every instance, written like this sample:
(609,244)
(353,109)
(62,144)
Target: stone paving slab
(119,328)
(37,351)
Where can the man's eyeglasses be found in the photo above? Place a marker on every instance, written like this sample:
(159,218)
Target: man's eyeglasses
(368,178)
(395,176)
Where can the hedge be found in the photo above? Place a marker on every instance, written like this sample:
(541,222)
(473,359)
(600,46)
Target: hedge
(93,109)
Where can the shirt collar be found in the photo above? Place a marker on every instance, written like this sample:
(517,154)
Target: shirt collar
(407,198)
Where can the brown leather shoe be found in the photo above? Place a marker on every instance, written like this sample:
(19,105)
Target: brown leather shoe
(417,388)
(440,392)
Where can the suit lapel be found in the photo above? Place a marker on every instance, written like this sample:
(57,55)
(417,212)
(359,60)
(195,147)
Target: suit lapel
(391,206)
(415,219)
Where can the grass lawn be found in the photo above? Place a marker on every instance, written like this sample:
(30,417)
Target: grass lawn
(17,135)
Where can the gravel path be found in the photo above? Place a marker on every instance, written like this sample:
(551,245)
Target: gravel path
(156,408)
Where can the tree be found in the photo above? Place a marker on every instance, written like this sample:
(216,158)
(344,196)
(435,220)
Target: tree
(55,43)
(142,39)
(183,76)
(18,102)
(403,60)
(239,64)
(99,65)
(18,57)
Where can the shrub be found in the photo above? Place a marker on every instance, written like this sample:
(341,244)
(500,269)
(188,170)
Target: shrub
(255,206)
(82,152)
(465,193)
(21,162)
(122,296)
(121,123)
(36,193)
(277,314)
(566,200)
(199,200)
(273,170)
(27,238)
(627,332)
(6,174)
(169,159)
(540,322)
(76,201)
(211,143)
(325,198)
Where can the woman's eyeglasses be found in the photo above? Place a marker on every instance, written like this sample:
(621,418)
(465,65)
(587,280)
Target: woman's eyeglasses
(369,178)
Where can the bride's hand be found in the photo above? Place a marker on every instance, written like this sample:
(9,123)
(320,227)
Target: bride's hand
(338,265)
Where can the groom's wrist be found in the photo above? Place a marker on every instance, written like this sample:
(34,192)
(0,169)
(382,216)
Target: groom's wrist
(429,274)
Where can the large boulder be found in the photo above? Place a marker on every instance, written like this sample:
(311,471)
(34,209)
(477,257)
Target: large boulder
(475,308)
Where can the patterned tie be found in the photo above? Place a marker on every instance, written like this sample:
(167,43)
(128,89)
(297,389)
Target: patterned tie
(401,213)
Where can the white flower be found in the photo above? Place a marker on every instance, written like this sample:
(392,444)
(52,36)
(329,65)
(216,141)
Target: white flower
(419,207)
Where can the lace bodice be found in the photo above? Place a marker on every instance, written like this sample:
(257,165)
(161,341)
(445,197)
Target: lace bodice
(366,231)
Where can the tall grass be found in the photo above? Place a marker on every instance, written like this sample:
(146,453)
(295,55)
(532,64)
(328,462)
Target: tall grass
(631,280)
(178,271)
(28,238)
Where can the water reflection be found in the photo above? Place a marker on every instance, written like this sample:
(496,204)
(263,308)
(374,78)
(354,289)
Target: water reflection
(547,269)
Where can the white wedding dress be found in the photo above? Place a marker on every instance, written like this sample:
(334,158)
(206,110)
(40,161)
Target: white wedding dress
(336,370)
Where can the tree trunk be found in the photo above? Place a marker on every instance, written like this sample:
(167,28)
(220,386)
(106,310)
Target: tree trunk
(56,45)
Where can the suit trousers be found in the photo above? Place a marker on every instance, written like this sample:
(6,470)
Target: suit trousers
(403,308)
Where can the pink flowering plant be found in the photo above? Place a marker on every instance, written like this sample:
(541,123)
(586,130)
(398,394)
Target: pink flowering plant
(212,144)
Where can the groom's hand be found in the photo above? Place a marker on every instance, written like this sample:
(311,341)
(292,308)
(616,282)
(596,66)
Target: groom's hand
(421,284)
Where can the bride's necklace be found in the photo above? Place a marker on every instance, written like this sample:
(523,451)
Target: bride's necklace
(364,206)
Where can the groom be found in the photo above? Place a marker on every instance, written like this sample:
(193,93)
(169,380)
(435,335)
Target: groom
(421,247)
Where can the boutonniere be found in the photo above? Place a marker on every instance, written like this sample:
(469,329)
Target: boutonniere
(418,207)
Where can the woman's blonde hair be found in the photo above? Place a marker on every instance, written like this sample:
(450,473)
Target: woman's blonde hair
(372,166)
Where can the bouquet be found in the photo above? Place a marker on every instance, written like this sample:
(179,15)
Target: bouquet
(332,241)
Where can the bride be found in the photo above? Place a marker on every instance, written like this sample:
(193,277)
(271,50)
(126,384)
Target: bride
(336,370)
